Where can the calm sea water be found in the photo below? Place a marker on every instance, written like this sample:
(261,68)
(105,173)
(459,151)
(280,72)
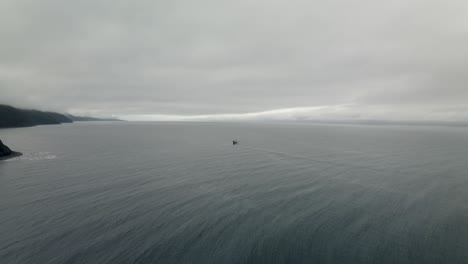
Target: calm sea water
(181,193)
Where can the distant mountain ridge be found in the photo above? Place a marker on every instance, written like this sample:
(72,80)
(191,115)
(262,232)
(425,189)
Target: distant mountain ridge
(15,117)
(87,118)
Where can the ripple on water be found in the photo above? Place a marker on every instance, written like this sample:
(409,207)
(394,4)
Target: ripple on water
(41,155)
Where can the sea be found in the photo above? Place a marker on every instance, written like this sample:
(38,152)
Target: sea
(175,192)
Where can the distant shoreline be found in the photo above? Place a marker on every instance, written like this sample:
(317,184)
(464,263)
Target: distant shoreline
(11,117)
(74,122)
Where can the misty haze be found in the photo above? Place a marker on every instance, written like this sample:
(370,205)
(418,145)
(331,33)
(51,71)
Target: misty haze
(249,131)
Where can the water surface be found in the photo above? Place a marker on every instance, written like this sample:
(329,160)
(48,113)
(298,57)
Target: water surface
(181,193)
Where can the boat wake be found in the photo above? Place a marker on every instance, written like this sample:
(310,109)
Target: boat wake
(334,163)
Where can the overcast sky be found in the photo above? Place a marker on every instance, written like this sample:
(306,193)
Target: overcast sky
(242,59)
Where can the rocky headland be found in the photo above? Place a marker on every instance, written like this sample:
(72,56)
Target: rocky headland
(7,153)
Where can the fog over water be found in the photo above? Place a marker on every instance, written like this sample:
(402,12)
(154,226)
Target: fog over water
(386,183)
(218,59)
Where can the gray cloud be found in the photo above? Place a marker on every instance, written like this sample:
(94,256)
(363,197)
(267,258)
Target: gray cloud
(214,59)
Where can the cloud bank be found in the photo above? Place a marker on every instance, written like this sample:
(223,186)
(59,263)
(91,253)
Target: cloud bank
(181,59)
(323,114)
